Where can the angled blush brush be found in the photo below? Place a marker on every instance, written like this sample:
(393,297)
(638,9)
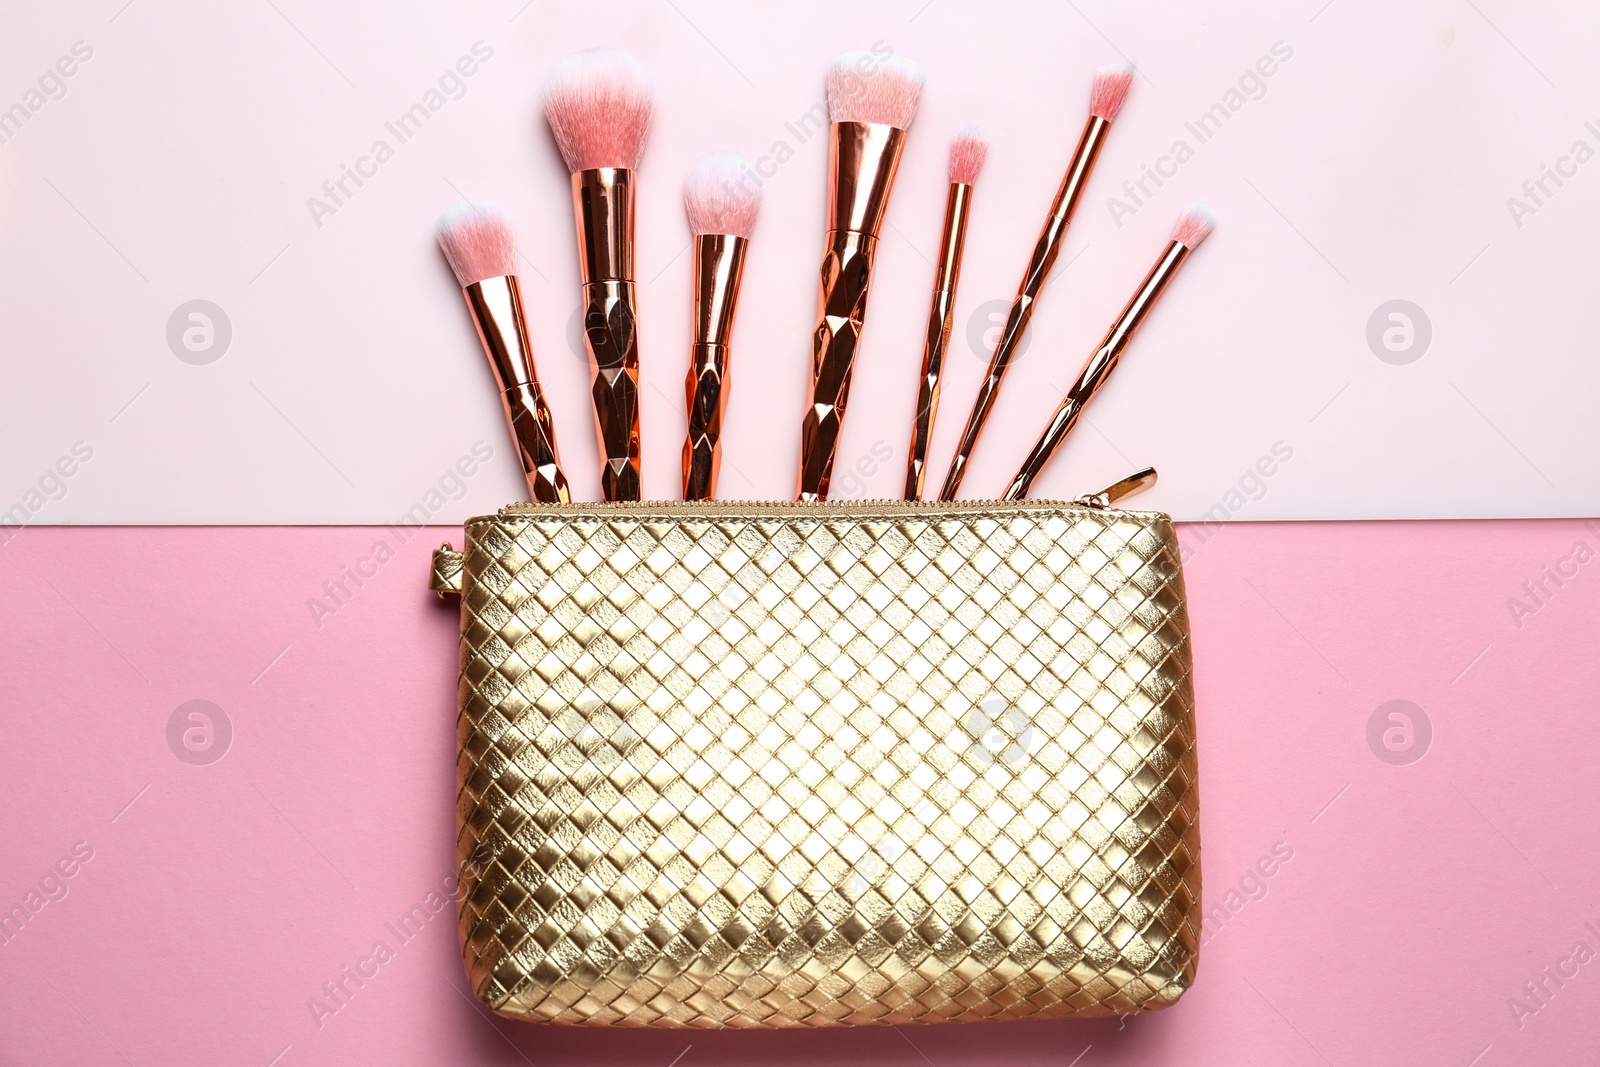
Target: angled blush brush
(476,238)
(599,104)
(871,102)
(1106,97)
(721,197)
(967,153)
(1193,227)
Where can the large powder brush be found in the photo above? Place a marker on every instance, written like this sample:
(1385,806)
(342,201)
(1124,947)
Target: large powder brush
(599,104)
(871,102)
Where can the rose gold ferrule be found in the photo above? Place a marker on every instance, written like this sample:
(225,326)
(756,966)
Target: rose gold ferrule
(719,267)
(1052,237)
(1098,368)
(1083,160)
(953,242)
(496,306)
(602,201)
(863,158)
(941,318)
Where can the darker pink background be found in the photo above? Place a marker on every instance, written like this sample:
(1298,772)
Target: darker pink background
(220,898)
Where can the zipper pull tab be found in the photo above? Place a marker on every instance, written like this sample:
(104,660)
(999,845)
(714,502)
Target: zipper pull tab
(446,577)
(1137,482)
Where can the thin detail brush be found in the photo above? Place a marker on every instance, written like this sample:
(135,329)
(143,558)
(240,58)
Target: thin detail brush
(1193,227)
(967,153)
(599,104)
(1106,97)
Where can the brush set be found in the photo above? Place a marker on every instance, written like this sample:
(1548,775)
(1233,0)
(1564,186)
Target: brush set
(808,710)
(599,105)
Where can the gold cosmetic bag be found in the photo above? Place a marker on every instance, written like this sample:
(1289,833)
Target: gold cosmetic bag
(759,765)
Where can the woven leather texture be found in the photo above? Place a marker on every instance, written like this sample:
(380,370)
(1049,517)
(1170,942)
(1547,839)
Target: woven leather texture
(774,765)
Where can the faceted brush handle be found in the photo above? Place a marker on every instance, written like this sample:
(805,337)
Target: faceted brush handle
(841,309)
(610,335)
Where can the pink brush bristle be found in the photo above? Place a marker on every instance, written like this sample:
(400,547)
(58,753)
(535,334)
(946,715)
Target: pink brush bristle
(1194,226)
(968,150)
(1110,91)
(599,104)
(866,87)
(722,195)
(477,241)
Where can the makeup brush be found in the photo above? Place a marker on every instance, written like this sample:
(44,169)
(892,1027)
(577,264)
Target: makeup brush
(1106,96)
(599,104)
(721,196)
(967,153)
(1193,227)
(871,102)
(477,241)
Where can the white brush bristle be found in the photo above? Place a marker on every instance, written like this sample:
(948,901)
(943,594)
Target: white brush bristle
(722,195)
(477,240)
(865,87)
(599,105)
(1110,91)
(967,152)
(1194,226)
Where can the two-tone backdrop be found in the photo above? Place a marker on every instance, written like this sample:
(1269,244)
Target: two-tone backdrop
(237,373)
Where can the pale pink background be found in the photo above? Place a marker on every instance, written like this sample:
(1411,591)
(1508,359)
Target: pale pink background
(1418,899)
(1375,165)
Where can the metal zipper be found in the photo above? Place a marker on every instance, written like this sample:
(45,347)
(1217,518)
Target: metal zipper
(1132,485)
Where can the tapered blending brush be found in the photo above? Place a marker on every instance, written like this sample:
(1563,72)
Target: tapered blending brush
(967,153)
(478,243)
(871,102)
(1106,97)
(599,105)
(1193,227)
(721,197)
